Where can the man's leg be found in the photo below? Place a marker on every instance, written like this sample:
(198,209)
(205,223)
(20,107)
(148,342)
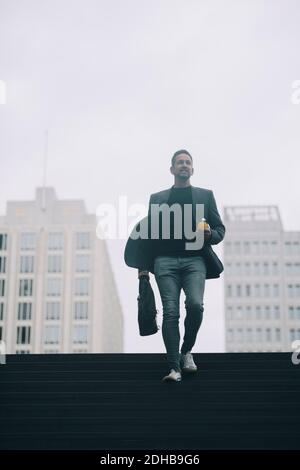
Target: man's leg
(166,269)
(193,275)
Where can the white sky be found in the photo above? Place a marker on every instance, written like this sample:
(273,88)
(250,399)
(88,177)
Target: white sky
(120,85)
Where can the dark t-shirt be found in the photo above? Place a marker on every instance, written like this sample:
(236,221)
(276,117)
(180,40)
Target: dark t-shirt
(175,246)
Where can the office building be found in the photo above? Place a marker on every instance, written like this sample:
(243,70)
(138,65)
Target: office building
(57,289)
(262,280)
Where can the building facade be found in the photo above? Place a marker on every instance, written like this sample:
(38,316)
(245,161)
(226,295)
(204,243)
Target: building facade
(57,290)
(262,280)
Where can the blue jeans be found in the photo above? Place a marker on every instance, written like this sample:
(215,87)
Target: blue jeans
(173,274)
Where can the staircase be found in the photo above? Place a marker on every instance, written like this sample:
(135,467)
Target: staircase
(118,401)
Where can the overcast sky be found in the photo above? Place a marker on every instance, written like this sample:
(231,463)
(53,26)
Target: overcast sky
(121,85)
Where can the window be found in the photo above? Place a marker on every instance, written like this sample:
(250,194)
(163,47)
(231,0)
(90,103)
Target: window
(52,310)
(2,287)
(248,290)
(83,241)
(277,334)
(248,312)
(238,290)
(1,333)
(290,290)
(274,246)
(52,334)
(54,264)
(240,335)
(288,268)
(266,290)
(55,241)
(268,335)
(23,351)
(3,241)
(229,312)
(292,334)
(54,287)
(230,335)
(247,269)
(265,247)
(249,336)
(291,313)
(256,247)
(237,247)
(228,268)
(238,270)
(256,269)
(298,313)
(275,269)
(81,310)
(228,247)
(26,264)
(276,312)
(80,334)
(25,287)
(246,247)
(275,290)
(266,269)
(297,290)
(258,312)
(296,269)
(296,247)
(2,264)
(82,286)
(28,241)
(229,290)
(1,311)
(257,290)
(82,263)
(23,334)
(288,248)
(267,312)
(258,335)
(24,311)
(239,313)
(80,350)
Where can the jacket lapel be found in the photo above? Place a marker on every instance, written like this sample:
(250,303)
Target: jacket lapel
(164,197)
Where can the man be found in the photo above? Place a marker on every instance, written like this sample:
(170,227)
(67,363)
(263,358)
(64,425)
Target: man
(175,266)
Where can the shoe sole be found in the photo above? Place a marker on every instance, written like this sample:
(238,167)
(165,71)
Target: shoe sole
(190,371)
(167,379)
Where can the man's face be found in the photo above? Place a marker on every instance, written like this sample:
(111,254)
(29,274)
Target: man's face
(183,167)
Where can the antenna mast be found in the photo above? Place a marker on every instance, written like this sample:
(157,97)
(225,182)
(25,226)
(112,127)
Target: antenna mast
(45,171)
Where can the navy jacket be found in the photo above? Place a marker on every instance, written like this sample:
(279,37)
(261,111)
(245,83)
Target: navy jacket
(140,253)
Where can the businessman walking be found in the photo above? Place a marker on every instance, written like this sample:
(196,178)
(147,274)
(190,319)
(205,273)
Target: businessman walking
(178,264)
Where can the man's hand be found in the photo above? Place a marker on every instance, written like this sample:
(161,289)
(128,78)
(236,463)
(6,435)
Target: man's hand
(143,273)
(207,234)
(203,225)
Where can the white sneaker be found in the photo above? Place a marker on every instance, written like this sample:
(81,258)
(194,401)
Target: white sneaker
(187,362)
(174,376)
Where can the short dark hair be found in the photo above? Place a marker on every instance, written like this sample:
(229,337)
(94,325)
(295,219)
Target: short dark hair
(178,153)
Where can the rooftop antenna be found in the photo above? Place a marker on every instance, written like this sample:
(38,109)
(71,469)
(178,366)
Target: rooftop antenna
(45,171)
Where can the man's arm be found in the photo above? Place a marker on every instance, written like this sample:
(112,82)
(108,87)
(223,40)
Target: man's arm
(216,225)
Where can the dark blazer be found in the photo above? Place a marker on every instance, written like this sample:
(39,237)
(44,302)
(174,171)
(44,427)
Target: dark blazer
(140,253)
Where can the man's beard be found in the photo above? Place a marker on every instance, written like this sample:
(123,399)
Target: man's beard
(184,176)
